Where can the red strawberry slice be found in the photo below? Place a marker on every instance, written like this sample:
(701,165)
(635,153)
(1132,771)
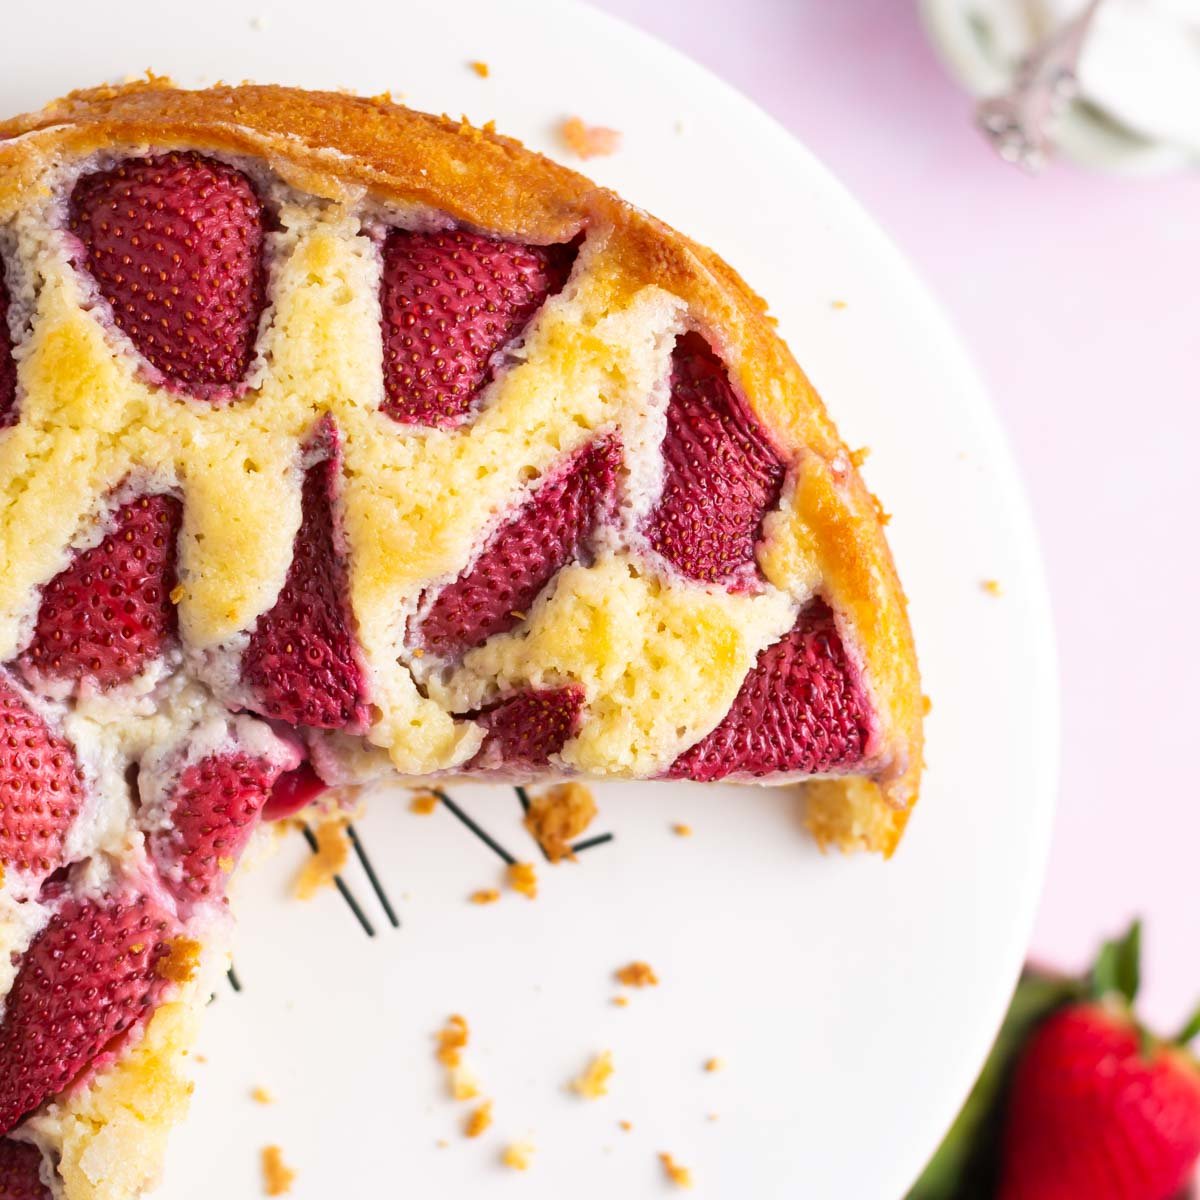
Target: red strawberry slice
(523,731)
(292,791)
(799,709)
(208,820)
(41,789)
(552,528)
(8,370)
(109,614)
(175,244)
(20,1172)
(1092,1114)
(451,301)
(721,474)
(301,661)
(88,977)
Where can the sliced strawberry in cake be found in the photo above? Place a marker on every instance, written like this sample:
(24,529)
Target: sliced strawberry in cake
(524,732)
(721,474)
(175,245)
(109,614)
(20,1172)
(302,664)
(90,976)
(800,710)
(202,800)
(451,301)
(552,528)
(8,367)
(41,788)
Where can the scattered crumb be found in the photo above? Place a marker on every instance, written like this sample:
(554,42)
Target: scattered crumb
(177,593)
(519,1156)
(200,1058)
(333,849)
(840,304)
(621,1001)
(278,1177)
(681,830)
(463,1084)
(260,1095)
(992,587)
(860,456)
(423,803)
(593,1083)
(626,1125)
(181,962)
(258,24)
(451,1041)
(485,896)
(680,126)
(589,141)
(478,1120)
(523,878)
(713,1117)
(714,1064)
(441,1143)
(638,974)
(559,815)
(480,68)
(679,1176)
(926,706)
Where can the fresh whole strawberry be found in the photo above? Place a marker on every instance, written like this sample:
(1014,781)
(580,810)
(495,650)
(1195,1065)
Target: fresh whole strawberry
(88,977)
(109,613)
(1097,1107)
(175,244)
(451,301)
(205,823)
(524,730)
(721,474)
(8,370)
(41,789)
(20,1172)
(552,528)
(799,709)
(301,662)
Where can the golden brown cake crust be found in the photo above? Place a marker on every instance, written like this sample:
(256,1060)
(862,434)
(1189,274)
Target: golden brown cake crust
(335,144)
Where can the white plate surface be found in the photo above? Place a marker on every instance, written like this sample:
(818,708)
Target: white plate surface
(850,1000)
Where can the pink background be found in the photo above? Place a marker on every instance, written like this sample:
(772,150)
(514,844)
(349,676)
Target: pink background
(1078,295)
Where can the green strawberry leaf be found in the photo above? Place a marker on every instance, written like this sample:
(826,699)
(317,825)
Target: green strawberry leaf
(964,1166)
(1190,1029)
(1117,971)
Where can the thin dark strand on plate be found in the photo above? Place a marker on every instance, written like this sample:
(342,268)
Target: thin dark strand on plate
(234,981)
(523,796)
(599,840)
(480,833)
(340,884)
(361,851)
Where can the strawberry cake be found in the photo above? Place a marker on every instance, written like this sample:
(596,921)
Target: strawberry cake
(341,443)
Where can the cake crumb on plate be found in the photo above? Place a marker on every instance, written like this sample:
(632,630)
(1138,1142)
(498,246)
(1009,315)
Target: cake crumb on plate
(518,1156)
(523,878)
(593,1083)
(260,1095)
(638,974)
(278,1177)
(714,1064)
(478,1120)
(423,803)
(559,815)
(485,896)
(992,587)
(589,141)
(679,1176)
(333,849)
(480,68)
